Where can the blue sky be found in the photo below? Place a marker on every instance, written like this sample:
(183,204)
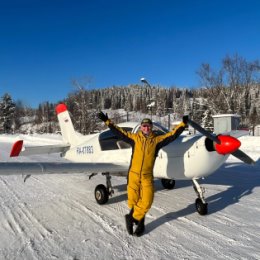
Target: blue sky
(45,44)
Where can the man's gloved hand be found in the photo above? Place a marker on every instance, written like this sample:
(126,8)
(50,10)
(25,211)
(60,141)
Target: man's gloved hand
(102,116)
(185,119)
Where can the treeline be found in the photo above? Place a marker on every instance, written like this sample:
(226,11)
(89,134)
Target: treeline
(234,88)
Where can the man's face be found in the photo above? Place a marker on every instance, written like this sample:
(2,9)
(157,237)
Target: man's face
(146,128)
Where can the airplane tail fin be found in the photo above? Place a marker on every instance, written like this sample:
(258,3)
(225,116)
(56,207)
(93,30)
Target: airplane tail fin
(67,129)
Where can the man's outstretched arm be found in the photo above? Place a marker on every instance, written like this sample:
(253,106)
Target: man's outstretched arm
(120,132)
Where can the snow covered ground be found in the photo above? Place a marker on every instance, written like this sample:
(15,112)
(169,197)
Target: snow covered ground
(57,217)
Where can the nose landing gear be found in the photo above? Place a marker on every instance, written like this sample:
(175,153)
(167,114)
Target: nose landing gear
(200,203)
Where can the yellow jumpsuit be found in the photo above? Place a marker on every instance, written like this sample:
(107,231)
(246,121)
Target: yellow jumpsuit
(140,188)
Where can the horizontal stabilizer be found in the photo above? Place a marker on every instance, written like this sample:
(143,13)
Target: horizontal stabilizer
(16,149)
(19,150)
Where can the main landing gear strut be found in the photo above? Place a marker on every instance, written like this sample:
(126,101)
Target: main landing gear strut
(103,192)
(200,203)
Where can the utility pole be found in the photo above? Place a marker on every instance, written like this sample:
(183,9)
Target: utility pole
(152,102)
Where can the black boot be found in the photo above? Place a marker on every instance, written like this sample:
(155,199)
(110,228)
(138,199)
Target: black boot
(129,221)
(140,228)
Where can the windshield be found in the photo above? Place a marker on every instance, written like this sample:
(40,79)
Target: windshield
(109,141)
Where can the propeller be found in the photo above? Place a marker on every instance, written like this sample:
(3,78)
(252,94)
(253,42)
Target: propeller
(224,144)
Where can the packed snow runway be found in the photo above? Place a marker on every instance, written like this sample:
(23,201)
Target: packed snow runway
(57,217)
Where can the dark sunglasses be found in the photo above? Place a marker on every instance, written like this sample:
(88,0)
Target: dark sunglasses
(146,125)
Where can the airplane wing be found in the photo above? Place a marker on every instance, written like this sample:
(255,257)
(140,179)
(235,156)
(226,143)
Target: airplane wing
(237,133)
(37,168)
(19,150)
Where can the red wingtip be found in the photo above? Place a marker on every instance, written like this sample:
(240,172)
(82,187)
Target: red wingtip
(16,149)
(229,144)
(61,108)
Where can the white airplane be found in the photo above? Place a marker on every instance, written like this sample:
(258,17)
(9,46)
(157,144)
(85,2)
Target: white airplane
(188,157)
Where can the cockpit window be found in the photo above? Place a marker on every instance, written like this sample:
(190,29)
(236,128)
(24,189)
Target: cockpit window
(109,141)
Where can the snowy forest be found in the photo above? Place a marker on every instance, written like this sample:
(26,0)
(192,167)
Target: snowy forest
(232,89)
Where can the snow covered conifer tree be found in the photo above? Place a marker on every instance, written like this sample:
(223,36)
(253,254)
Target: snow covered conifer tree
(7,109)
(207,120)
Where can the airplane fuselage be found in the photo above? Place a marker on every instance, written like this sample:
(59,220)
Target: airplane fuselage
(186,158)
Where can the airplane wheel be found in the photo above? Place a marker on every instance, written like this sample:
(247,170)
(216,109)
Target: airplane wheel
(202,208)
(168,184)
(101,194)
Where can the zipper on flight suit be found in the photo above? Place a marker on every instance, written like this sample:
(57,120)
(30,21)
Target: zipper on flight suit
(144,146)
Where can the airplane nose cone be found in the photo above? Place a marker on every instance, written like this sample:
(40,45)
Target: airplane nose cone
(229,144)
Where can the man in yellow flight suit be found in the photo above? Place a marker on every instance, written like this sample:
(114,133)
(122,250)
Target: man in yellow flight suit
(145,146)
